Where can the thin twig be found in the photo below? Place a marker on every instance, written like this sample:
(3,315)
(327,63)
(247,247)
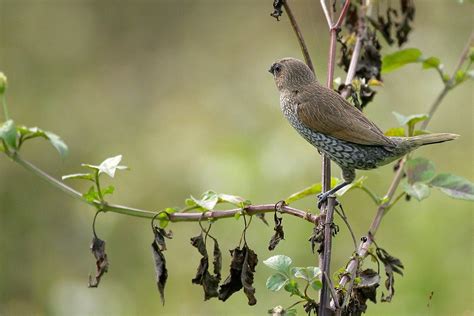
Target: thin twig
(361,34)
(299,35)
(343,216)
(332,291)
(450,83)
(342,15)
(326,12)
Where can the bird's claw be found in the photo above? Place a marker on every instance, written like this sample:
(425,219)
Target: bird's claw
(323,198)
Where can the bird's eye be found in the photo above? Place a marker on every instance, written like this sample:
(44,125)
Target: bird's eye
(277,68)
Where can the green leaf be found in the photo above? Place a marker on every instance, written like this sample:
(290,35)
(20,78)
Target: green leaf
(189,202)
(431,62)
(208,200)
(8,133)
(460,76)
(400,58)
(34,132)
(396,132)
(276,281)
(292,287)
(93,167)
(237,215)
(91,195)
(410,120)
(313,189)
(234,199)
(84,176)
(355,184)
(316,284)
(290,312)
(108,190)
(308,273)
(110,165)
(163,217)
(455,186)
(417,190)
(57,143)
(419,170)
(280,263)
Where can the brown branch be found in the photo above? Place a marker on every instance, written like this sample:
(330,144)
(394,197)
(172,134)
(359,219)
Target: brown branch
(299,35)
(328,210)
(361,34)
(362,251)
(324,301)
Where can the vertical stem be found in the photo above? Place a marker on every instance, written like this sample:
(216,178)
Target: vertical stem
(5,108)
(299,35)
(97,184)
(324,299)
(328,210)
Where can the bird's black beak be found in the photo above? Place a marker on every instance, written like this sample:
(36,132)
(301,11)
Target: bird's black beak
(272,69)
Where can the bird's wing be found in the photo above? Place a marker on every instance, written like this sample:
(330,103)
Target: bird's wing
(326,112)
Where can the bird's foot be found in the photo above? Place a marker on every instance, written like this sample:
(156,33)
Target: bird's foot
(323,198)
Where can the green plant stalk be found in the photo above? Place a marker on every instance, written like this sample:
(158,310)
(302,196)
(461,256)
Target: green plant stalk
(372,195)
(97,184)
(5,108)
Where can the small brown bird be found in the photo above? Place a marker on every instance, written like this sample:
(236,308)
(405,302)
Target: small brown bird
(337,128)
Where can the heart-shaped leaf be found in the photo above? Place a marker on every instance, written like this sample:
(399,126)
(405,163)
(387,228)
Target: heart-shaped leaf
(454,186)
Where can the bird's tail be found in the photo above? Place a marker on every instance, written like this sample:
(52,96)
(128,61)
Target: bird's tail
(427,139)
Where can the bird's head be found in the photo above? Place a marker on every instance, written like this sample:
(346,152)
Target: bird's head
(291,74)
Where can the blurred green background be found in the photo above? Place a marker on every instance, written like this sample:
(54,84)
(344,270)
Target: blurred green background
(181,89)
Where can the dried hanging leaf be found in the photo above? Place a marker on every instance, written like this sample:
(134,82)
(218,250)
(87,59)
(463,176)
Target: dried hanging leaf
(242,268)
(248,271)
(317,237)
(217,262)
(311,307)
(279,233)
(210,283)
(277,9)
(102,263)
(363,291)
(391,265)
(407,16)
(233,282)
(198,242)
(158,245)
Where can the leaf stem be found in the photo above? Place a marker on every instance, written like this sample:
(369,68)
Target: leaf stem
(372,195)
(97,184)
(5,107)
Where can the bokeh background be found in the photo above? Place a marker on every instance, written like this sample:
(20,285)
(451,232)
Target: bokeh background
(181,89)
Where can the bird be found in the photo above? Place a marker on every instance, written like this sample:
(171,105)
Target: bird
(337,128)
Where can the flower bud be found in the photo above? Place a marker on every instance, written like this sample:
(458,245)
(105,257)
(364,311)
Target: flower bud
(3,82)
